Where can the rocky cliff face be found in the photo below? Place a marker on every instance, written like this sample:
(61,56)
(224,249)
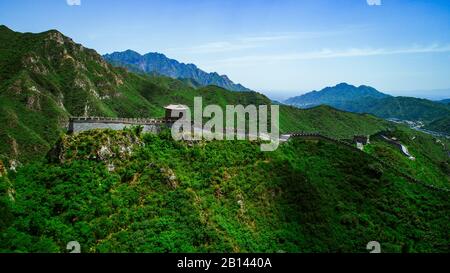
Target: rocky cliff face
(105,146)
(160,64)
(47,77)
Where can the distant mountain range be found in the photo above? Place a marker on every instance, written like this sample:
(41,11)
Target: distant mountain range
(365,99)
(46,77)
(446,101)
(151,63)
(123,191)
(338,94)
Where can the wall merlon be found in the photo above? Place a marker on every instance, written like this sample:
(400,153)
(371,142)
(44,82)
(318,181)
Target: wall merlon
(79,124)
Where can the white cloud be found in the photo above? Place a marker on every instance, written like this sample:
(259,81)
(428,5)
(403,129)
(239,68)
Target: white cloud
(214,47)
(236,44)
(374,2)
(73,2)
(268,38)
(333,53)
(252,42)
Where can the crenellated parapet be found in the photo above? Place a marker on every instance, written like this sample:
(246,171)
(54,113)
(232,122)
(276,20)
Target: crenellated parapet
(132,121)
(79,124)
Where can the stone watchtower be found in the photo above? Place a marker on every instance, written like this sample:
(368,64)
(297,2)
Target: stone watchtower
(361,141)
(364,140)
(178,111)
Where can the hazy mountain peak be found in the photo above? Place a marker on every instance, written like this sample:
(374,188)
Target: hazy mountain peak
(344,84)
(339,93)
(225,77)
(5,28)
(366,99)
(151,63)
(129,51)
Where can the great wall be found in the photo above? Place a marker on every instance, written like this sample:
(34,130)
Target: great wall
(318,136)
(79,124)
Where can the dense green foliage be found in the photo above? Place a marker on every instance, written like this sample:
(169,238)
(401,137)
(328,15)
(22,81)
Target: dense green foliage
(308,196)
(119,191)
(46,78)
(405,108)
(431,163)
(440,125)
(330,122)
(365,99)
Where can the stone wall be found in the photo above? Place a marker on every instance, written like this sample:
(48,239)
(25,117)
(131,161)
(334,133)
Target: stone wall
(84,124)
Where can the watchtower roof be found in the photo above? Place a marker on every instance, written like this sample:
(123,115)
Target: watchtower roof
(176,107)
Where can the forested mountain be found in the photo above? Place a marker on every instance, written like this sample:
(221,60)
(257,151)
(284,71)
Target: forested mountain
(366,99)
(340,93)
(47,77)
(220,196)
(158,63)
(125,191)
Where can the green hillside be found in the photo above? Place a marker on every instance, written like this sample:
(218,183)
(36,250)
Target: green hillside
(221,196)
(440,125)
(365,99)
(46,78)
(120,191)
(330,122)
(431,164)
(434,115)
(405,108)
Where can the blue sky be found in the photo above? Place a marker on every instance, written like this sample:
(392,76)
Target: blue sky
(280,48)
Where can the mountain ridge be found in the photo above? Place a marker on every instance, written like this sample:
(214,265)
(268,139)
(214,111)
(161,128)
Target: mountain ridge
(366,99)
(125,191)
(154,62)
(46,77)
(338,93)
(445,101)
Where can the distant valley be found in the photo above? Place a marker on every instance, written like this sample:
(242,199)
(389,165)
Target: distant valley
(365,99)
